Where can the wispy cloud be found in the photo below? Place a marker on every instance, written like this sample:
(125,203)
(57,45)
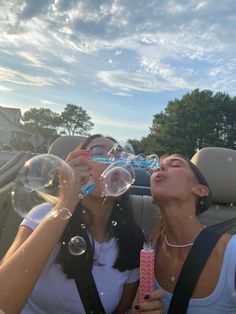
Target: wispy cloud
(122,94)
(5,89)
(108,121)
(48,102)
(17,77)
(143,81)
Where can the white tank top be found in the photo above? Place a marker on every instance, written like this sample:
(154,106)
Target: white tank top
(223,299)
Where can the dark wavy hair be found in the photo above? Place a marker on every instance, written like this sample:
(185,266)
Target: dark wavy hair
(129,235)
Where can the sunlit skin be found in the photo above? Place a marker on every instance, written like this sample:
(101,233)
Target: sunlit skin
(176,190)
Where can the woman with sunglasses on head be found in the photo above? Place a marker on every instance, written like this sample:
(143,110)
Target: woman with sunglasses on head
(113,242)
(182,193)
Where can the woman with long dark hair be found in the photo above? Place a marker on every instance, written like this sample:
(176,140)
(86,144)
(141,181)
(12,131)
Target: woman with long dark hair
(113,241)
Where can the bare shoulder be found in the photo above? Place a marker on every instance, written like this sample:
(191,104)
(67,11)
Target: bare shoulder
(222,244)
(211,272)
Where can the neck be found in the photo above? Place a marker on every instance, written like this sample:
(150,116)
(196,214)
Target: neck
(181,225)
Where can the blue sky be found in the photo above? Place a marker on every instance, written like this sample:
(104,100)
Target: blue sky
(120,60)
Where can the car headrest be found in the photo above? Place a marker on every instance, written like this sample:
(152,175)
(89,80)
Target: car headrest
(62,146)
(218,165)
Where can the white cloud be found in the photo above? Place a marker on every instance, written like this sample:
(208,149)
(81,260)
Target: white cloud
(5,89)
(48,102)
(201,5)
(122,94)
(144,80)
(29,56)
(108,121)
(21,78)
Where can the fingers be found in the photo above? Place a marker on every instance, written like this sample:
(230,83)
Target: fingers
(157,294)
(82,172)
(76,153)
(153,303)
(79,158)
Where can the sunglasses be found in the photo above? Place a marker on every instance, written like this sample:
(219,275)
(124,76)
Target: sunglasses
(99,151)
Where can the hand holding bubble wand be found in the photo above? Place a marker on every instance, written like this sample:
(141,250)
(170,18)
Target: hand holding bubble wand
(121,160)
(90,186)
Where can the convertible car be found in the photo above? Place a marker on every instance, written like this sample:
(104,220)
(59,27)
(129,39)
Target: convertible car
(217,164)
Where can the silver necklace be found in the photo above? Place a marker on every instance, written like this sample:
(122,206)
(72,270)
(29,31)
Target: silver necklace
(173,277)
(177,245)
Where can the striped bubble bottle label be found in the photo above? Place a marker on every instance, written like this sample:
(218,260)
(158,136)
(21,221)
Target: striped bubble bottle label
(146,271)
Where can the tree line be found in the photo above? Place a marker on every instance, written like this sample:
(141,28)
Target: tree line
(199,119)
(73,120)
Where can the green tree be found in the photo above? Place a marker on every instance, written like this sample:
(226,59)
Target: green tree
(41,118)
(42,121)
(75,120)
(197,120)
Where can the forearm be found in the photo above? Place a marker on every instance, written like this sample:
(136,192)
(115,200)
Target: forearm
(127,298)
(20,272)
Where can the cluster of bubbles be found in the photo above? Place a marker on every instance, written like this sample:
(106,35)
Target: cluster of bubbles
(120,174)
(43,178)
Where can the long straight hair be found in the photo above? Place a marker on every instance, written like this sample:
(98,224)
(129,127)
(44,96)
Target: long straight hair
(129,235)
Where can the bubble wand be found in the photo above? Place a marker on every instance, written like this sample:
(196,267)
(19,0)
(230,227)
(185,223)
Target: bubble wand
(90,186)
(146,271)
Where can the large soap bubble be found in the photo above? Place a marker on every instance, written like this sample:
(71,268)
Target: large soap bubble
(117,178)
(40,181)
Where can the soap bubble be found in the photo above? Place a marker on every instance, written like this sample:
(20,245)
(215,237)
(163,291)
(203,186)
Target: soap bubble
(139,161)
(122,150)
(117,178)
(38,182)
(64,213)
(152,162)
(77,246)
(114,223)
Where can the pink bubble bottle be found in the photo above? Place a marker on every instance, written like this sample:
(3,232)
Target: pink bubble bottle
(146,271)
